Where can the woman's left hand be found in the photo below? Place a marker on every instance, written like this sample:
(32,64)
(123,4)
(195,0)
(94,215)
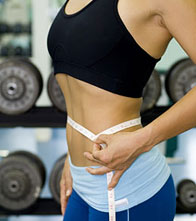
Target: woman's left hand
(121,151)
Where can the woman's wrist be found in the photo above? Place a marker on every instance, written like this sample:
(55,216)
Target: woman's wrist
(147,137)
(153,135)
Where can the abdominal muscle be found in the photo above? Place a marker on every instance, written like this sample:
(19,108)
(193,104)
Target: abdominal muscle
(95,109)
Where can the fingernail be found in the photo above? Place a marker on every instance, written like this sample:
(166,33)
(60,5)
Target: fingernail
(103,145)
(68,193)
(110,188)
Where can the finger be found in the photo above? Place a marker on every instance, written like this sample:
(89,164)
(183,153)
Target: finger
(98,171)
(63,207)
(64,199)
(103,156)
(103,138)
(116,176)
(96,147)
(63,202)
(65,192)
(101,153)
(90,157)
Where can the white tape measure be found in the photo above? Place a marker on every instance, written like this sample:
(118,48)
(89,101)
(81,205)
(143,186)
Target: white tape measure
(93,137)
(111,197)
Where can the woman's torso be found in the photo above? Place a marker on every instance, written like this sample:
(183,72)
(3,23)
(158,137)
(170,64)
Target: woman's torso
(98,109)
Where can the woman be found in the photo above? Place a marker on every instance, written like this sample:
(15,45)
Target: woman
(103,53)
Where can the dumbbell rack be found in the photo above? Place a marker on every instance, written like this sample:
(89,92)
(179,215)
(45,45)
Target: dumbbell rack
(51,117)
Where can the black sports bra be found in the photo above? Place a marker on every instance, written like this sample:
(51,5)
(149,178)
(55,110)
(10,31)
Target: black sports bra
(94,45)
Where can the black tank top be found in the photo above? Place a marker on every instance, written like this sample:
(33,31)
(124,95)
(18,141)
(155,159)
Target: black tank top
(94,45)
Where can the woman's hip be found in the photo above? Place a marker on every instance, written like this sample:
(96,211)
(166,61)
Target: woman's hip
(160,207)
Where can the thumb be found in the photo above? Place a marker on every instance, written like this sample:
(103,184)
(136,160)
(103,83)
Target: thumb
(103,138)
(115,178)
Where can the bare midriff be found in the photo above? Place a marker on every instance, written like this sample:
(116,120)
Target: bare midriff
(95,109)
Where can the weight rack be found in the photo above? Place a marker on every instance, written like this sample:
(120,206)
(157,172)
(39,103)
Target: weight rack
(51,117)
(48,116)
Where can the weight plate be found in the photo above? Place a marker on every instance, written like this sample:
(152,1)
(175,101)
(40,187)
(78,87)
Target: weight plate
(5,51)
(55,94)
(182,183)
(187,194)
(35,70)
(27,28)
(18,51)
(151,92)
(35,159)
(4,28)
(20,183)
(55,177)
(17,28)
(180,79)
(19,87)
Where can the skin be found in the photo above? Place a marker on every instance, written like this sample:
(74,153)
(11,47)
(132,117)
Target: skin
(165,19)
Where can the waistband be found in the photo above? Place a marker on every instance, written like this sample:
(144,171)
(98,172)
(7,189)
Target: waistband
(140,181)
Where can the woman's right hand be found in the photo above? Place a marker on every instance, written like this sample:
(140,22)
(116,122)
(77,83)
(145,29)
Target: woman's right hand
(65,186)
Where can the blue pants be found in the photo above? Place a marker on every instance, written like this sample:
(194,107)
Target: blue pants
(160,207)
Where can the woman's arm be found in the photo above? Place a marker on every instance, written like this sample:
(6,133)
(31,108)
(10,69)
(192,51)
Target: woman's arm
(65,185)
(179,118)
(179,17)
(124,147)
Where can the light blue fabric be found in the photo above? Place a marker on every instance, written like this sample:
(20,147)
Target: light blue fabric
(141,181)
(160,207)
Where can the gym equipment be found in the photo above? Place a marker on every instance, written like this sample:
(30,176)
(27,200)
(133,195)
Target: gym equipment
(55,177)
(27,51)
(22,176)
(187,194)
(180,79)
(18,51)
(35,159)
(5,51)
(55,94)
(151,92)
(27,28)
(16,12)
(17,28)
(20,86)
(4,28)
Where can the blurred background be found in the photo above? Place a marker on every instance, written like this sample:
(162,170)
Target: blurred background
(33,116)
